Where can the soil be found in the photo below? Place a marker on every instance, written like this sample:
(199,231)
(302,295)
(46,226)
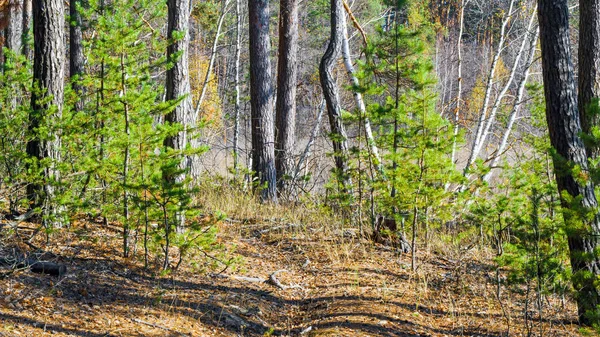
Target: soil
(289,282)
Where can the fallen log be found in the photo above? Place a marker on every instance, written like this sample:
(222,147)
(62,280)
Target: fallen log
(39,267)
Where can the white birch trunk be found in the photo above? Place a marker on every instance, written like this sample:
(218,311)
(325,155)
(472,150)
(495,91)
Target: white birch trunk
(515,110)
(360,103)
(213,56)
(488,92)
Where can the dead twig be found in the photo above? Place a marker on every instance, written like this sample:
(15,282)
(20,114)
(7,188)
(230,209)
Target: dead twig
(157,326)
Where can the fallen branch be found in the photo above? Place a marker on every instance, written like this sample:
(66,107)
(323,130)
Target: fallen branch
(157,326)
(272,280)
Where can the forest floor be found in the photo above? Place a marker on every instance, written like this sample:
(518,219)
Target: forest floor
(333,285)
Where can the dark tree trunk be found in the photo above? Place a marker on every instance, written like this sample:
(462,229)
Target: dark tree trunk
(14,27)
(76,58)
(48,76)
(261,100)
(178,83)
(287,73)
(589,66)
(26,28)
(564,127)
(330,92)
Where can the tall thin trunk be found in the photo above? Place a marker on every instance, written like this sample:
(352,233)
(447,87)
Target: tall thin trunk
(236,115)
(494,110)
(76,57)
(477,143)
(125,160)
(26,28)
(515,109)
(178,85)
(213,57)
(564,127)
(330,93)
(287,73)
(261,100)
(589,67)
(360,103)
(461,23)
(47,102)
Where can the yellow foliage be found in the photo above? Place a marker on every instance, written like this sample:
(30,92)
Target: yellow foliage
(211,106)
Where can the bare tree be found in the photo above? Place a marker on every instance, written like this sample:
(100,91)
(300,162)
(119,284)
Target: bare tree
(478,141)
(287,73)
(330,93)
(261,100)
(47,100)
(564,127)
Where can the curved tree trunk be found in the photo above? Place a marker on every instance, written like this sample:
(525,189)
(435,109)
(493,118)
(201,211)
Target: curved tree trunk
(261,100)
(76,58)
(330,93)
(287,73)
(564,127)
(589,67)
(48,76)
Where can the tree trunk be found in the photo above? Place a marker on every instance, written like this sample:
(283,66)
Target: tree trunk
(211,62)
(14,27)
(360,103)
(564,127)
(589,67)
(236,114)
(459,80)
(76,58)
(178,85)
(330,93)
(515,109)
(287,73)
(26,28)
(261,100)
(477,141)
(47,102)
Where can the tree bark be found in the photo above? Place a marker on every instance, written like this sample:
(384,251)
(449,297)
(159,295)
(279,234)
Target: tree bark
(589,67)
(178,86)
(287,73)
(14,27)
(463,5)
(76,57)
(47,101)
(26,28)
(564,127)
(261,100)
(515,109)
(236,114)
(477,141)
(330,93)
(360,103)
(213,57)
